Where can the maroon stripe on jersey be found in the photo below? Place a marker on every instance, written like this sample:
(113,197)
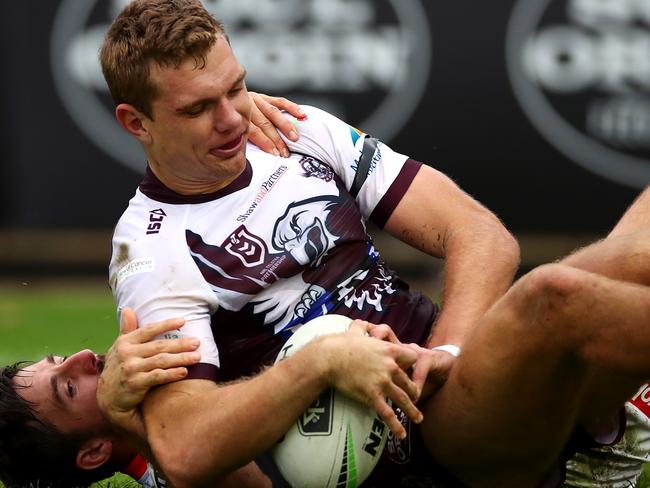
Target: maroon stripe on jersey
(156,189)
(389,201)
(202,371)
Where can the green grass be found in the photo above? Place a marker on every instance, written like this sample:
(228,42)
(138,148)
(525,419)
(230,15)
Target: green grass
(54,317)
(62,317)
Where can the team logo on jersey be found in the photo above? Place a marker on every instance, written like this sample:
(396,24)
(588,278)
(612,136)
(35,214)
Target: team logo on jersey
(248,248)
(315,168)
(580,70)
(368,61)
(302,230)
(317,419)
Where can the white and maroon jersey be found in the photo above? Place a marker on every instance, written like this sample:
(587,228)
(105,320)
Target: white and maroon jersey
(285,242)
(621,464)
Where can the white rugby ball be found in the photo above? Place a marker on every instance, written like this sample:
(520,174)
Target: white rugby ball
(336,441)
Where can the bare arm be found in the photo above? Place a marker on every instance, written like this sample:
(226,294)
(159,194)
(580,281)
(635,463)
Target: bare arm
(199,431)
(480,255)
(133,366)
(636,217)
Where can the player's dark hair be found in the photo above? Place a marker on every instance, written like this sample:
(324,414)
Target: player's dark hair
(33,453)
(166,32)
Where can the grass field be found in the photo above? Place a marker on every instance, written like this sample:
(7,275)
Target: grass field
(59,317)
(62,317)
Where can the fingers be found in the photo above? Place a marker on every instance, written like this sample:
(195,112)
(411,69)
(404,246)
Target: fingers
(265,136)
(383,332)
(267,119)
(420,374)
(407,385)
(387,414)
(148,332)
(164,361)
(163,346)
(431,370)
(286,105)
(128,321)
(146,380)
(359,327)
(129,327)
(405,356)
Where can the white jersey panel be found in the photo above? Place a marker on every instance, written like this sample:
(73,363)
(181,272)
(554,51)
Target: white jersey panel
(620,465)
(339,145)
(152,272)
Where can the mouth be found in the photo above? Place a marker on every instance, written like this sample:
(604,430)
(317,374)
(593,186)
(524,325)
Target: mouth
(228,149)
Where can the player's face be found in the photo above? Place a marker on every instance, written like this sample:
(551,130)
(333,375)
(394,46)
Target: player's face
(64,391)
(200,121)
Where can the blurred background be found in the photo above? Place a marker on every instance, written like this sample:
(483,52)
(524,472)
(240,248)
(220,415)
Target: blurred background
(538,108)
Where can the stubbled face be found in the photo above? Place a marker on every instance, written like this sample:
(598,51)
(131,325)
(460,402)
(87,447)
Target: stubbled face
(200,122)
(64,391)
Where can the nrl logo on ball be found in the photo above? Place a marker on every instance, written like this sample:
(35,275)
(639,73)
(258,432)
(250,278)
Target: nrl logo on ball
(366,61)
(581,71)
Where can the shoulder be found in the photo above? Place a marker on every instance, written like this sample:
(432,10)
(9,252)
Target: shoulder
(148,231)
(320,122)
(326,137)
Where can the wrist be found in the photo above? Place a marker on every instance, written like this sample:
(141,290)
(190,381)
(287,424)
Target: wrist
(322,356)
(452,349)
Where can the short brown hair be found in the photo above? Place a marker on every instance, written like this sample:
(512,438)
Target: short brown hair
(166,32)
(34,453)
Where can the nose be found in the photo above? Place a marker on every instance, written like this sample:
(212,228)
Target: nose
(82,362)
(227,117)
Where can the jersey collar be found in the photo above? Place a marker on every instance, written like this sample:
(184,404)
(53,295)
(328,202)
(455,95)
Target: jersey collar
(155,189)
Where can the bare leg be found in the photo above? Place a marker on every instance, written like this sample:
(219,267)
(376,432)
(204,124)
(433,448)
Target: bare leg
(531,371)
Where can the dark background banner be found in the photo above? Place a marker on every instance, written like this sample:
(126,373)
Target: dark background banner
(538,108)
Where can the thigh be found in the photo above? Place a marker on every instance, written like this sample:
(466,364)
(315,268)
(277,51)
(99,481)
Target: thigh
(518,389)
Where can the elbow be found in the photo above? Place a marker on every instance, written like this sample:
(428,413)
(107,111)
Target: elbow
(510,248)
(170,461)
(181,465)
(503,243)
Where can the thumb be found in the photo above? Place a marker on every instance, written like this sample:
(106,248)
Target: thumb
(419,375)
(128,321)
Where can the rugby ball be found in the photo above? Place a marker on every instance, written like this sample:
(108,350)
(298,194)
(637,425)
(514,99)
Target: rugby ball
(336,441)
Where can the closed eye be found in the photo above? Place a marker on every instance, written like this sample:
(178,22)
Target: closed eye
(196,110)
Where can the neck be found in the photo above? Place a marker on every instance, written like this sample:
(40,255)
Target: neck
(188,186)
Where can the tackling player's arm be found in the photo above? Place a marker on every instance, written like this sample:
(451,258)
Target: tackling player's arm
(199,431)
(481,256)
(636,217)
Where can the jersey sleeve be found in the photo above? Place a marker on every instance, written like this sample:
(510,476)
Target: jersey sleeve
(372,172)
(154,275)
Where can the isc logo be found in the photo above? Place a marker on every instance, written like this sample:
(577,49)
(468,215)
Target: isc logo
(155,220)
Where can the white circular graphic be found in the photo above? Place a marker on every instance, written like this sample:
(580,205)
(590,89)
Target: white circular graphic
(369,57)
(581,71)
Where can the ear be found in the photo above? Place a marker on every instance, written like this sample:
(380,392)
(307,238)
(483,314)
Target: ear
(94,452)
(132,120)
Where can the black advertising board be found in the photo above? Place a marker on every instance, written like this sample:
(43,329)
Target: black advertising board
(539,108)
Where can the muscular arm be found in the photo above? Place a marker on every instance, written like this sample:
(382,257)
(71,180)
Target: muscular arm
(636,217)
(480,255)
(199,432)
